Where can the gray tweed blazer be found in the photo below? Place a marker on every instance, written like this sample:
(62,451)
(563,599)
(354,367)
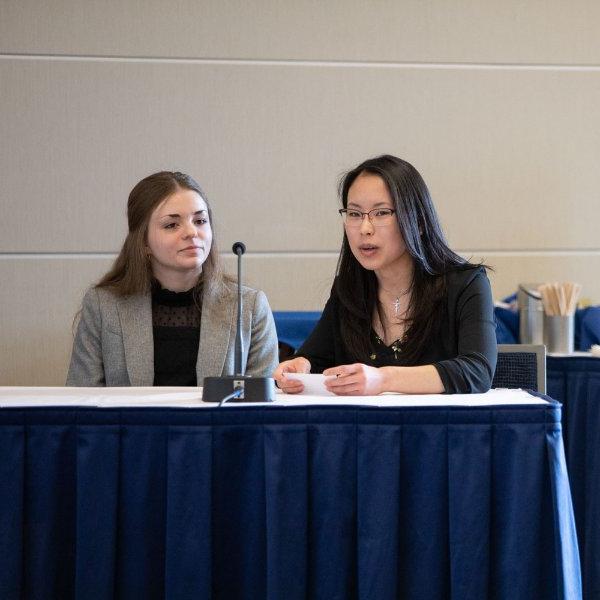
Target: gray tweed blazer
(114,344)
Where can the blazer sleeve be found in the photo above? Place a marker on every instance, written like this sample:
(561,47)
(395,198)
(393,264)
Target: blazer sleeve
(473,368)
(87,366)
(263,352)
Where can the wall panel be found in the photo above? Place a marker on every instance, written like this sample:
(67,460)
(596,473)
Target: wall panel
(380,30)
(510,156)
(267,104)
(40,297)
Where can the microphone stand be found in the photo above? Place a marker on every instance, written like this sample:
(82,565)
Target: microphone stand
(238,387)
(238,249)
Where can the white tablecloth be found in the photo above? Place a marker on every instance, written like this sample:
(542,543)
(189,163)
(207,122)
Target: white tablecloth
(191,397)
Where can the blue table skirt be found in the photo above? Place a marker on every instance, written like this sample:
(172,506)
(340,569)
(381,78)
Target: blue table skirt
(285,503)
(575,381)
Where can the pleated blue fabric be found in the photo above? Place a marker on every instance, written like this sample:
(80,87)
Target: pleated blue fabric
(286,503)
(575,381)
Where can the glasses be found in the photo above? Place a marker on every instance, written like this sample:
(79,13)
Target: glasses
(379,217)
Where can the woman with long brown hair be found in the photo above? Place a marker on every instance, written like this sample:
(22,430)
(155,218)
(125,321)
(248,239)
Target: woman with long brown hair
(165,314)
(406,313)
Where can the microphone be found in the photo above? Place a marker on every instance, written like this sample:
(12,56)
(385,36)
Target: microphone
(238,387)
(238,248)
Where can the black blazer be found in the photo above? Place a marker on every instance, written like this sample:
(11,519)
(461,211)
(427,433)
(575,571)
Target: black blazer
(464,351)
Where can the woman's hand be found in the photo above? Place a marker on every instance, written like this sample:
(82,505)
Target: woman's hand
(355,380)
(295,365)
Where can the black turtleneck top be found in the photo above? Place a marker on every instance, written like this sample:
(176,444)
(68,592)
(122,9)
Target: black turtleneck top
(176,327)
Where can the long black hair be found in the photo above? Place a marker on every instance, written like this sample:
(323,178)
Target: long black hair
(356,287)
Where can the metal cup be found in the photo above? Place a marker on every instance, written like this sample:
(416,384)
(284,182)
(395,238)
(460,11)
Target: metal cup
(531,314)
(559,333)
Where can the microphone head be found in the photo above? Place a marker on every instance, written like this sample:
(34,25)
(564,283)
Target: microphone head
(238,248)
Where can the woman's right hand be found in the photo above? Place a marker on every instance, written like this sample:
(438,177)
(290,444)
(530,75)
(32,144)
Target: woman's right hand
(295,365)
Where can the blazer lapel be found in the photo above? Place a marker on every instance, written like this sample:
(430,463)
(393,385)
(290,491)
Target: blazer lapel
(135,314)
(216,329)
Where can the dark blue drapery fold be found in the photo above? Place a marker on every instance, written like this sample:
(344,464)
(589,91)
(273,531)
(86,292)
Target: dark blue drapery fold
(575,381)
(286,503)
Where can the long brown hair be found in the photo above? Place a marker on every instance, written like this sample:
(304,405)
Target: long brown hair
(131,272)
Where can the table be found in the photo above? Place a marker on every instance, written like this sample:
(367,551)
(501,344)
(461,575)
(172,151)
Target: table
(575,381)
(314,501)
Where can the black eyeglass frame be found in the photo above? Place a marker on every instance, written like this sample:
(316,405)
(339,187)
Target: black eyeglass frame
(343,212)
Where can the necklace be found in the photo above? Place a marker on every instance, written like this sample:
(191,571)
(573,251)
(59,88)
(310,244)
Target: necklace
(396,299)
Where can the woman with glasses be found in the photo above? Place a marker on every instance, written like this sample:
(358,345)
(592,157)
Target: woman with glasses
(164,314)
(406,314)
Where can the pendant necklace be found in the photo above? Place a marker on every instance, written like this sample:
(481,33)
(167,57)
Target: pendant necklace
(396,302)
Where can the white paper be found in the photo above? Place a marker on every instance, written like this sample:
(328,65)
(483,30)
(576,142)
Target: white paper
(314,383)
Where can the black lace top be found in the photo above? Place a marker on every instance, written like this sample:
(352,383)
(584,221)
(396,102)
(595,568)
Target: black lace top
(385,356)
(176,326)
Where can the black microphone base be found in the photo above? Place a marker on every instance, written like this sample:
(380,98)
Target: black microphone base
(254,389)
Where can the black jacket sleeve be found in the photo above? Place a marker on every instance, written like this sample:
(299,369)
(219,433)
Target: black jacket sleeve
(321,347)
(471,307)
(465,352)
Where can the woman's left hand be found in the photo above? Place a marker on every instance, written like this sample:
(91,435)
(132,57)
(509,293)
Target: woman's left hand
(355,380)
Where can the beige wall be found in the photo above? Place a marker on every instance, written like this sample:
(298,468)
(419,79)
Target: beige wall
(266,104)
